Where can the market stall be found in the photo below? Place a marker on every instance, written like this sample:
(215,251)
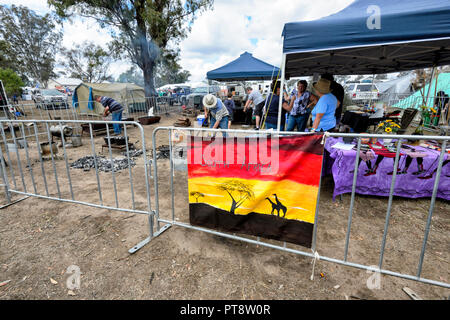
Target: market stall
(369,37)
(374,37)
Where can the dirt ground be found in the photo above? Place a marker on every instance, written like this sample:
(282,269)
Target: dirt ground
(40,239)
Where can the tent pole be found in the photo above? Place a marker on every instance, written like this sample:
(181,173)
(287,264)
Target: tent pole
(371,88)
(429,86)
(280,105)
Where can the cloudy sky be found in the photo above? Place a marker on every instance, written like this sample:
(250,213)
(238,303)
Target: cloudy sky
(218,36)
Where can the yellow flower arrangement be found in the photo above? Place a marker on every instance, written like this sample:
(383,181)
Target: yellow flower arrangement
(388,126)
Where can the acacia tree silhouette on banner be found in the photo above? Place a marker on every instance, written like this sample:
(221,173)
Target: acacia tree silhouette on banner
(197,195)
(239,192)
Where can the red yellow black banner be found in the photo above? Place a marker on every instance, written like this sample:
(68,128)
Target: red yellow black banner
(264,187)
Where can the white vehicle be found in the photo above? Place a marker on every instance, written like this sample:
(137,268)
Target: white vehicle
(49,99)
(360,92)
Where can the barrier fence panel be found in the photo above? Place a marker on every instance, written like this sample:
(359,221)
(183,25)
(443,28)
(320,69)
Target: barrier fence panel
(109,172)
(172,210)
(68,110)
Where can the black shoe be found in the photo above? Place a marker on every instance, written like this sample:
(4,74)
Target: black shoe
(256,129)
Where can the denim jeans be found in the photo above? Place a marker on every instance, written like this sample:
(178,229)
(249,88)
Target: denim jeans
(117,116)
(298,121)
(223,124)
(274,126)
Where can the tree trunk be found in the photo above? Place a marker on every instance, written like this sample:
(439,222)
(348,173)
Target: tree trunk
(233,207)
(147,60)
(149,82)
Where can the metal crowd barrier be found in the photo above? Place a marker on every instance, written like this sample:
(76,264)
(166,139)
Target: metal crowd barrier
(33,166)
(19,178)
(173,217)
(67,110)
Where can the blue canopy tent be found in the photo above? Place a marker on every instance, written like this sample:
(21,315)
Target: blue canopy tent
(244,68)
(369,37)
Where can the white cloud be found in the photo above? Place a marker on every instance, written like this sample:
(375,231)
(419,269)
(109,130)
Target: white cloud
(220,35)
(84,29)
(40,6)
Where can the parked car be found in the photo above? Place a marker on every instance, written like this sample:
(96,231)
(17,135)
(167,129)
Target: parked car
(180,94)
(49,99)
(196,97)
(361,92)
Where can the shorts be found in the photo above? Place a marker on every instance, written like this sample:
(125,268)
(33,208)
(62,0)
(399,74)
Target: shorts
(258,109)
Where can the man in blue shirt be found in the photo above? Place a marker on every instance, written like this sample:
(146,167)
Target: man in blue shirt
(113,107)
(323,114)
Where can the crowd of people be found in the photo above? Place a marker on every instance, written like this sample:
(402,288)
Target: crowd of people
(323,104)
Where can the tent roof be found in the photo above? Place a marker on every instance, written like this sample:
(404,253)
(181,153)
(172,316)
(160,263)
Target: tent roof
(246,67)
(412,35)
(397,85)
(68,81)
(112,87)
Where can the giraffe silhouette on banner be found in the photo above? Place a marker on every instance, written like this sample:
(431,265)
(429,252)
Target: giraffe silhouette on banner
(277,206)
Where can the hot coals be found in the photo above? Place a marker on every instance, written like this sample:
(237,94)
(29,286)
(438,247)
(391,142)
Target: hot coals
(106,164)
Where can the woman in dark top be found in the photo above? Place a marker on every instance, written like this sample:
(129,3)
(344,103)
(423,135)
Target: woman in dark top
(272,107)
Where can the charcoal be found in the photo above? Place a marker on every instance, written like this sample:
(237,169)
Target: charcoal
(104,164)
(163,152)
(133,153)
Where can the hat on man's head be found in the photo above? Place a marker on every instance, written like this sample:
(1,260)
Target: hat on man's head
(209,101)
(327,76)
(322,86)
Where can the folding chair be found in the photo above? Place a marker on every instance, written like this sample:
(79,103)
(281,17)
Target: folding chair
(406,120)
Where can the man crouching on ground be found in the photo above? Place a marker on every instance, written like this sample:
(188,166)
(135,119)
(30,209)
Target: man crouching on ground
(113,107)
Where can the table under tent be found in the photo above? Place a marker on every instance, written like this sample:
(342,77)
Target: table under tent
(244,68)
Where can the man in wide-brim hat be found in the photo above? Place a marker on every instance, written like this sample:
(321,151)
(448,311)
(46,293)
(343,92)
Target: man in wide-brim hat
(323,113)
(217,111)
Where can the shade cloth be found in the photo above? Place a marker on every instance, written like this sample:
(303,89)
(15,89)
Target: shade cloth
(370,37)
(341,164)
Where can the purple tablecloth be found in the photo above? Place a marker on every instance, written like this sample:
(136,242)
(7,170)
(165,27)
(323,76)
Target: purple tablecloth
(412,182)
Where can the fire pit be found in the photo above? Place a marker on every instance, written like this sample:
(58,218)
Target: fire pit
(117,140)
(149,120)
